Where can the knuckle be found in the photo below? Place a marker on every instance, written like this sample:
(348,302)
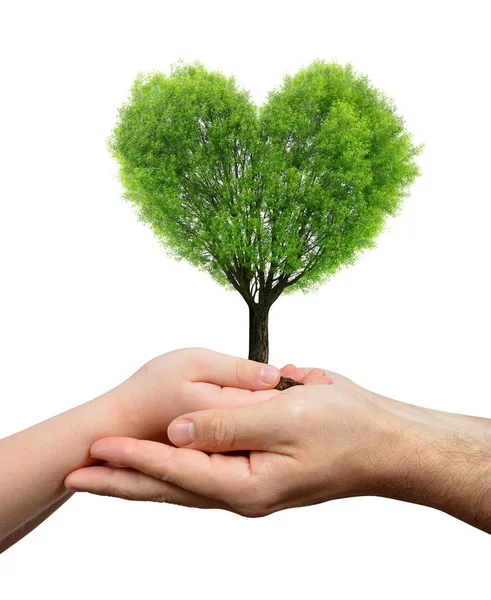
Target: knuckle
(238,371)
(296,408)
(198,351)
(185,356)
(244,371)
(221,432)
(165,469)
(130,449)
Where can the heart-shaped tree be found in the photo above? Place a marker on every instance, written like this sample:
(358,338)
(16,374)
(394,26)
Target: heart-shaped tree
(266,199)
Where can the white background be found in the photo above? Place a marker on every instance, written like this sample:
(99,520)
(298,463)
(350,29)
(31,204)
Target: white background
(88,295)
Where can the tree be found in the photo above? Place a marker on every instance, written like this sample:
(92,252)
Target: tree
(271,199)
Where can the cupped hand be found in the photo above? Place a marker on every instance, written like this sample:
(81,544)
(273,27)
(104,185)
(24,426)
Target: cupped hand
(190,379)
(305,445)
(169,385)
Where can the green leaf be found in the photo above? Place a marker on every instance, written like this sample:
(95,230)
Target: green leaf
(292,190)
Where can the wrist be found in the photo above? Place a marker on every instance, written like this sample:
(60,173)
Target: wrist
(391,442)
(466,424)
(138,408)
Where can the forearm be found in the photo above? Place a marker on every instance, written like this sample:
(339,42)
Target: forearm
(464,424)
(444,470)
(35,461)
(30,525)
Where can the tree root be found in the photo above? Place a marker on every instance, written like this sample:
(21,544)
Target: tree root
(286,382)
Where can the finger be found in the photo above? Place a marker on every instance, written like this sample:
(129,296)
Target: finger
(292,371)
(200,395)
(317,377)
(217,477)
(335,377)
(131,484)
(305,375)
(256,427)
(232,371)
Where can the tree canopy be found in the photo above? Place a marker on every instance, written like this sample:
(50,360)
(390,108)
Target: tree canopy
(266,199)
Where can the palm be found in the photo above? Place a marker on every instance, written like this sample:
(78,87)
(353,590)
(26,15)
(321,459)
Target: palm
(200,396)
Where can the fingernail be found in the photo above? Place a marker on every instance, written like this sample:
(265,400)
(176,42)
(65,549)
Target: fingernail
(268,374)
(181,433)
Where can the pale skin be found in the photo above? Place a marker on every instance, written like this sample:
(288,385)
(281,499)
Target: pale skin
(40,463)
(303,446)
(35,462)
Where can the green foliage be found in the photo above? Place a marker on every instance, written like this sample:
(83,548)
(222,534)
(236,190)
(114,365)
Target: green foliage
(265,199)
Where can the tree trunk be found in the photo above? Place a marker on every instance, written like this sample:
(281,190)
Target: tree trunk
(258,333)
(258,341)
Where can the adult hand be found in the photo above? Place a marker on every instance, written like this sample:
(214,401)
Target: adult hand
(168,386)
(463,424)
(307,444)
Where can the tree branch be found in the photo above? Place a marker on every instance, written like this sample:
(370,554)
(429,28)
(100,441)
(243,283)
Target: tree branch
(245,293)
(306,269)
(275,292)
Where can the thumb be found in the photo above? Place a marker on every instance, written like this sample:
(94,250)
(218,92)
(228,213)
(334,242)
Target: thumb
(254,427)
